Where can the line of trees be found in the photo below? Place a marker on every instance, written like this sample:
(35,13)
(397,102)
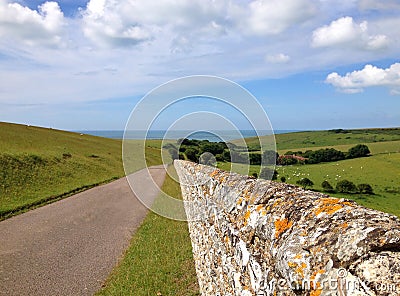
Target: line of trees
(323,155)
(193,149)
(343,186)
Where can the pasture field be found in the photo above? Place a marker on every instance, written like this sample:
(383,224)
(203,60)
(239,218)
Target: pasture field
(375,147)
(381,170)
(315,139)
(40,165)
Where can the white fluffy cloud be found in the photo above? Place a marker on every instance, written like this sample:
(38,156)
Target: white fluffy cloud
(20,23)
(356,81)
(121,23)
(345,32)
(105,23)
(274,16)
(116,23)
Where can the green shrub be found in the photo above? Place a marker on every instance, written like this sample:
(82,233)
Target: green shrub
(327,187)
(359,150)
(365,188)
(255,158)
(305,182)
(346,186)
(192,154)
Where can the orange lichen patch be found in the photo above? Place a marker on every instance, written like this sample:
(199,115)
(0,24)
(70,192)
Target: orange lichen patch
(300,269)
(222,179)
(239,201)
(298,256)
(214,173)
(315,292)
(261,209)
(344,225)
(330,205)
(246,217)
(303,233)
(282,225)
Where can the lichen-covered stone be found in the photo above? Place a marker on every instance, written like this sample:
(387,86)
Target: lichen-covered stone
(257,237)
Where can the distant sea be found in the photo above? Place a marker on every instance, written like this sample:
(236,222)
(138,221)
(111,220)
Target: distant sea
(212,136)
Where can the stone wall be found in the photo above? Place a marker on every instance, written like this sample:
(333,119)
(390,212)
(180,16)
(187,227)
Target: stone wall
(257,237)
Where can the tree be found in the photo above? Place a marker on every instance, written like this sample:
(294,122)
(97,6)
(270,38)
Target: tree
(213,148)
(346,186)
(191,154)
(324,155)
(255,158)
(359,150)
(226,155)
(287,160)
(365,188)
(327,187)
(270,157)
(268,174)
(305,182)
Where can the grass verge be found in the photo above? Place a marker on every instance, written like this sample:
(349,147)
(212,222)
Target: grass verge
(159,260)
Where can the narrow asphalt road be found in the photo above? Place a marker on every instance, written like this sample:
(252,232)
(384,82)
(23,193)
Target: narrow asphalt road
(69,247)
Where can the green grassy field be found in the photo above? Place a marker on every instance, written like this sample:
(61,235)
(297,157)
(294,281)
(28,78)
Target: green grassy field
(381,170)
(315,139)
(40,165)
(159,260)
(374,147)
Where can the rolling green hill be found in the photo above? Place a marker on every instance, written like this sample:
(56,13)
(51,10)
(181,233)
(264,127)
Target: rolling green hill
(39,165)
(314,139)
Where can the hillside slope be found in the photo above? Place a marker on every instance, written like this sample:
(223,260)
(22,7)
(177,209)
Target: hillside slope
(39,165)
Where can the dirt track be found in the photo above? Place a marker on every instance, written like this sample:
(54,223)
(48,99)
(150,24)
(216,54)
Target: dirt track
(69,247)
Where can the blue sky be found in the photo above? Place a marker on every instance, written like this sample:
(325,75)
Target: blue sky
(312,64)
